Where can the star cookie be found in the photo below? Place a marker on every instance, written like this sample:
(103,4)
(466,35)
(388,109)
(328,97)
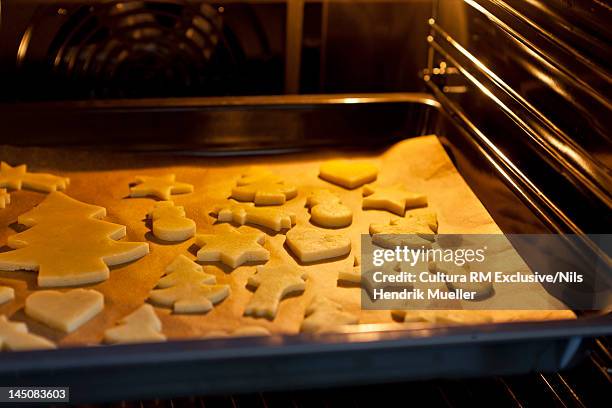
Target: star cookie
(232,247)
(6,294)
(160,187)
(395,199)
(18,177)
(272,218)
(412,231)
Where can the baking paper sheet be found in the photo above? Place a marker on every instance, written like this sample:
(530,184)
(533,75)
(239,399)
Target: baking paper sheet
(103,179)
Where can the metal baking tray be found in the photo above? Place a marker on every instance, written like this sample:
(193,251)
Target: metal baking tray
(361,354)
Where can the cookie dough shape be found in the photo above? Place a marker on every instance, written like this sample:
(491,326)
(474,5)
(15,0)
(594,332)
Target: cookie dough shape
(18,177)
(365,279)
(272,218)
(232,247)
(482,290)
(15,337)
(262,187)
(413,232)
(170,223)
(327,211)
(395,199)
(187,288)
(5,198)
(348,174)
(65,311)
(272,284)
(323,314)
(6,294)
(311,245)
(141,326)
(160,187)
(68,243)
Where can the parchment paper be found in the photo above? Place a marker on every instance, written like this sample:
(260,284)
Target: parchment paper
(102,178)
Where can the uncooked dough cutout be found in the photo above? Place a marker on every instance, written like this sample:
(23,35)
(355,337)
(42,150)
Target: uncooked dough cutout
(5,198)
(273,283)
(68,243)
(232,246)
(243,331)
(160,187)
(482,290)
(15,337)
(311,245)
(323,314)
(170,223)
(395,199)
(327,210)
(263,187)
(348,174)
(140,326)
(272,218)
(187,288)
(411,231)
(6,294)
(65,311)
(18,177)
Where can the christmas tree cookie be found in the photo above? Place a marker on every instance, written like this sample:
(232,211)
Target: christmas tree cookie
(18,177)
(68,243)
(187,288)
(141,326)
(15,337)
(323,314)
(262,187)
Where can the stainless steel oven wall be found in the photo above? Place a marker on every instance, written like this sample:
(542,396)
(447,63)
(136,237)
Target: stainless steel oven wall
(528,81)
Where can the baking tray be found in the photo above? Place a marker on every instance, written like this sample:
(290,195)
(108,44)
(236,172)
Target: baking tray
(365,354)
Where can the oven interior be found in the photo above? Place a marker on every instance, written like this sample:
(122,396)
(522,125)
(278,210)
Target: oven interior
(517,91)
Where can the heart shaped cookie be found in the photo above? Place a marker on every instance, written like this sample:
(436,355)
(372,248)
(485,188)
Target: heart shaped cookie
(311,245)
(66,311)
(348,174)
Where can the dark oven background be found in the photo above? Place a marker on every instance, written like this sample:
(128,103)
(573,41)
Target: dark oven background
(83,49)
